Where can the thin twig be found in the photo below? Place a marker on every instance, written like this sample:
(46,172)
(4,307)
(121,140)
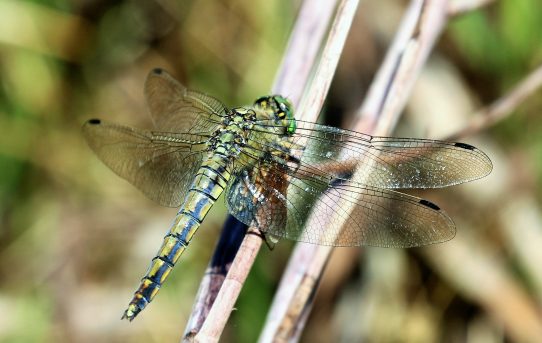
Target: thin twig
(502,107)
(293,74)
(421,25)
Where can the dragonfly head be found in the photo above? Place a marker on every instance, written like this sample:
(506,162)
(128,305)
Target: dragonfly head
(280,109)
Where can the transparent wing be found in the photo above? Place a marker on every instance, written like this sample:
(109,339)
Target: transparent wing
(387,162)
(174,108)
(161,165)
(280,201)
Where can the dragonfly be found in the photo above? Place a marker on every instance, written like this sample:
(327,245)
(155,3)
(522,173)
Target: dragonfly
(290,178)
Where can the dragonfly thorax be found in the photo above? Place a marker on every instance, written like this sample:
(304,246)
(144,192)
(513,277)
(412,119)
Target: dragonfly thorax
(232,135)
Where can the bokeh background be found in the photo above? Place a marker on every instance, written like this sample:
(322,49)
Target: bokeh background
(75,239)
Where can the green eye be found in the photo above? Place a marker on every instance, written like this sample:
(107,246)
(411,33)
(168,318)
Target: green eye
(286,112)
(292,126)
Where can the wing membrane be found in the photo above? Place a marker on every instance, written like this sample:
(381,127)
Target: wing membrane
(174,108)
(161,165)
(341,213)
(386,162)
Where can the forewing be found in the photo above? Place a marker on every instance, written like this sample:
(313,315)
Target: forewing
(161,165)
(383,162)
(287,204)
(174,108)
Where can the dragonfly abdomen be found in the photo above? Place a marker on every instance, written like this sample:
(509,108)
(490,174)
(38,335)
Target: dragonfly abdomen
(208,184)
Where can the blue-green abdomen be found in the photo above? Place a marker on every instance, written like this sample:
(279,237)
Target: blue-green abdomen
(208,184)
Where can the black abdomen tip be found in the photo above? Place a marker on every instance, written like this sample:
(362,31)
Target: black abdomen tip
(94,121)
(465,146)
(429,204)
(157,71)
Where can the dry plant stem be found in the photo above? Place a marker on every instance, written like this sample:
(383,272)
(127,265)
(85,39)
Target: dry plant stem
(379,91)
(421,25)
(310,106)
(503,107)
(219,265)
(293,74)
(305,42)
(222,307)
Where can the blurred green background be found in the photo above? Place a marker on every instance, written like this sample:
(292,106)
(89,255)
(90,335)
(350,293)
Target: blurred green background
(75,239)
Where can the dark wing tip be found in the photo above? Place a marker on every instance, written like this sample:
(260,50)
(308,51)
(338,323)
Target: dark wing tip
(157,71)
(429,204)
(465,146)
(484,166)
(94,121)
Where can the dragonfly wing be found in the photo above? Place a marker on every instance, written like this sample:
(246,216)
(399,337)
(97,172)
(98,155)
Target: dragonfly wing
(250,199)
(174,108)
(375,217)
(161,165)
(284,203)
(384,162)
